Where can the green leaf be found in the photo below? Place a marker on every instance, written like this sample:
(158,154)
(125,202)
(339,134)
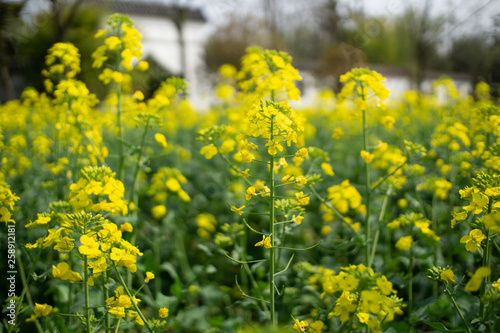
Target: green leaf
(169,302)
(176,288)
(166,266)
(440,327)
(205,249)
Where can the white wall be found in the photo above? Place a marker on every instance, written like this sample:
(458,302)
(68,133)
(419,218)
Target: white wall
(160,41)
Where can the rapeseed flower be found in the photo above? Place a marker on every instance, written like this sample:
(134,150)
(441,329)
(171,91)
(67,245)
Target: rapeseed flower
(473,240)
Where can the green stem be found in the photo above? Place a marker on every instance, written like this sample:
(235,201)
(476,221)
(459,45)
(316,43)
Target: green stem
(182,254)
(486,263)
(272,292)
(120,132)
(157,260)
(86,286)
(255,285)
(332,208)
(381,181)
(457,308)
(367,192)
(82,132)
(107,318)
(28,294)
(25,290)
(138,164)
(410,281)
(436,245)
(380,218)
(134,303)
(117,326)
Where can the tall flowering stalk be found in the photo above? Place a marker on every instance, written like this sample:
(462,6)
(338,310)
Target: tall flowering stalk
(122,44)
(363,83)
(267,132)
(96,242)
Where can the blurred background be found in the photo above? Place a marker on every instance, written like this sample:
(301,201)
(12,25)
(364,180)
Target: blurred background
(411,43)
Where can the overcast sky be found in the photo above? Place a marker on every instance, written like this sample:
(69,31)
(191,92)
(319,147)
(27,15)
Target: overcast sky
(467,15)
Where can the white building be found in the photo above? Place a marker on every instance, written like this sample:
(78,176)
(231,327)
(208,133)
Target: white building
(161,40)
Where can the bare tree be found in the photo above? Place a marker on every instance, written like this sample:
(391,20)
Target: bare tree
(423,31)
(8,12)
(64,13)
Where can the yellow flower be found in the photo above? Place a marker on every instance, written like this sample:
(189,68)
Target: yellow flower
(402,203)
(327,169)
(163,312)
(473,241)
(89,247)
(142,66)
(496,285)
(384,286)
(344,306)
(374,325)
(208,151)
(126,227)
(112,42)
(273,147)
(297,219)
(244,173)
(370,301)
(149,276)
(265,242)
(134,316)
(63,272)
(300,326)
(388,122)
(479,201)
(206,224)
(448,275)
(227,146)
(316,327)
(160,138)
(42,310)
(476,279)
(301,180)
(492,221)
(250,192)
(237,210)
(363,317)
(302,152)
(338,132)
(158,211)
(228,71)
(138,95)
(117,311)
(366,156)
(404,243)
(173,184)
(302,198)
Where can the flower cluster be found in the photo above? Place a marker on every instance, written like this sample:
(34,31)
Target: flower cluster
(267,73)
(345,197)
(361,296)
(63,61)
(97,190)
(7,202)
(413,221)
(167,181)
(120,305)
(363,80)
(123,42)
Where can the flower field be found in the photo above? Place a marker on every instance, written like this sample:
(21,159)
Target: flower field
(363,212)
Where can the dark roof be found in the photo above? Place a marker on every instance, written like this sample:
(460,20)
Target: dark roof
(150,8)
